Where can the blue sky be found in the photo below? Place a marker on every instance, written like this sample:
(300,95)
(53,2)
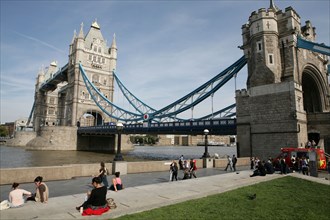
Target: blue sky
(166,49)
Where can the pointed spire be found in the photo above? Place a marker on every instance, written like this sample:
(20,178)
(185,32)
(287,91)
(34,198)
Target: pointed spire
(273,6)
(81,32)
(113,44)
(74,36)
(95,24)
(41,70)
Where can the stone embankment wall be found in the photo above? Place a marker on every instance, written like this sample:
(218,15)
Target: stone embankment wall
(21,138)
(54,138)
(28,174)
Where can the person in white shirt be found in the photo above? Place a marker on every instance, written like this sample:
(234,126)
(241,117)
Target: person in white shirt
(229,163)
(16,196)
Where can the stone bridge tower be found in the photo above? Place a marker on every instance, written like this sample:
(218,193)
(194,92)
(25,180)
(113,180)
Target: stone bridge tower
(64,100)
(70,102)
(98,60)
(286,102)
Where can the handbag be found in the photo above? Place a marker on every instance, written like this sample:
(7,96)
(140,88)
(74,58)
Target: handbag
(111,203)
(5,204)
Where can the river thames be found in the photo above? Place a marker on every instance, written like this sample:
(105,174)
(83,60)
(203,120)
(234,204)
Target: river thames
(13,157)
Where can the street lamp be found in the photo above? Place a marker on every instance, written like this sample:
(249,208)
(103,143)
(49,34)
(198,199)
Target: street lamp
(206,153)
(119,157)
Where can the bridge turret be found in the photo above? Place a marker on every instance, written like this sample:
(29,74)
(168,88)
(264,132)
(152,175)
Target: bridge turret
(308,31)
(72,42)
(113,53)
(284,85)
(260,45)
(99,60)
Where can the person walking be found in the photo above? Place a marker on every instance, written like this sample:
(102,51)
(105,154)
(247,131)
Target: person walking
(234,162)
(251,163)
(229,163)
(103,174)
(175,169)
(193,168)
(181,162)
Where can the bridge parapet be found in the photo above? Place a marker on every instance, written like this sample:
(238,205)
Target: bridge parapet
(216,127)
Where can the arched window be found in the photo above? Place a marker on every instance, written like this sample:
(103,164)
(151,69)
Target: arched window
(95,78)
(311,95)
(103,60)
(99,50)
(95,48)
(90,57)
(99,59)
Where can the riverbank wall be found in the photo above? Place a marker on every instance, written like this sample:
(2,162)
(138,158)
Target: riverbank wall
(51,173)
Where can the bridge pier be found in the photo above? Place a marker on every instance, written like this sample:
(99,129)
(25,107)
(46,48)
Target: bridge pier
(106,143)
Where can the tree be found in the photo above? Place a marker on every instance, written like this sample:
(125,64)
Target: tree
(3,131)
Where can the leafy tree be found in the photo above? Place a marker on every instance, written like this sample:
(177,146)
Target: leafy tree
(148,139)
(3,131)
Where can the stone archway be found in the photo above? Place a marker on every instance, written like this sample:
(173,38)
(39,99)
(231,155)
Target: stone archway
(91,119)
(311,91)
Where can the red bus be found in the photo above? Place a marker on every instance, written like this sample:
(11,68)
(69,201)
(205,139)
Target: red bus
(290,152)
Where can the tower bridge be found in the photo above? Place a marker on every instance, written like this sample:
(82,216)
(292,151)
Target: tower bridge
(286,102)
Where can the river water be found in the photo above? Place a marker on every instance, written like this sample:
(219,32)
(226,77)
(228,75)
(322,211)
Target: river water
(12,157)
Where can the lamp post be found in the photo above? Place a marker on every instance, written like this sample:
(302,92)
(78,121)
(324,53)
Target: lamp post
(119,157)
(206,153)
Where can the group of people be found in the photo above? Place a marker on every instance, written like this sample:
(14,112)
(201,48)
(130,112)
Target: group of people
(189,169)
(231,163)
(94,200)
(18,196)
(261,168)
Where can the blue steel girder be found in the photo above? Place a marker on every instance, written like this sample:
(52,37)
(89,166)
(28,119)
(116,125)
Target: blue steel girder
(139,105)
(319,48)
(168,112)
(223,113)
(107,106)
(60,76)
(218,126)
(202,92)
(31,114)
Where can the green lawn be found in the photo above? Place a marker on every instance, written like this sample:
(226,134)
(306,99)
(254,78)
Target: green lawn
(283,198)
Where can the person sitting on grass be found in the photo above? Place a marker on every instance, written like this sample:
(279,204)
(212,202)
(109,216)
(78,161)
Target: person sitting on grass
(116,183)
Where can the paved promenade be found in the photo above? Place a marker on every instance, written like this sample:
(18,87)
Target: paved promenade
(144,197)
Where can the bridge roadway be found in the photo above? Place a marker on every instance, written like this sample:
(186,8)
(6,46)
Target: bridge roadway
(196,127)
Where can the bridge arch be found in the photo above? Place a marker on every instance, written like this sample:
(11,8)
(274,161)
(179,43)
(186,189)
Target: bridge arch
(91,118)
(314,91)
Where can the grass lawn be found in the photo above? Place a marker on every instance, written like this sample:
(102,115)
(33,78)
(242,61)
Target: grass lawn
(283,198)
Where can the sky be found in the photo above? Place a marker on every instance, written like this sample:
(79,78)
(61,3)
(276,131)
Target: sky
(166,49)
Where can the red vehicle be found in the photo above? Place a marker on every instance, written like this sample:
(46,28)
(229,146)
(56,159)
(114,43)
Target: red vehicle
(289,153)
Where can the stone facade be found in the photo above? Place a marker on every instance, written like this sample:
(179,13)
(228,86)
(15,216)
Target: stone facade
(59,110)
(193,140)
(286,86)
(70,101)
